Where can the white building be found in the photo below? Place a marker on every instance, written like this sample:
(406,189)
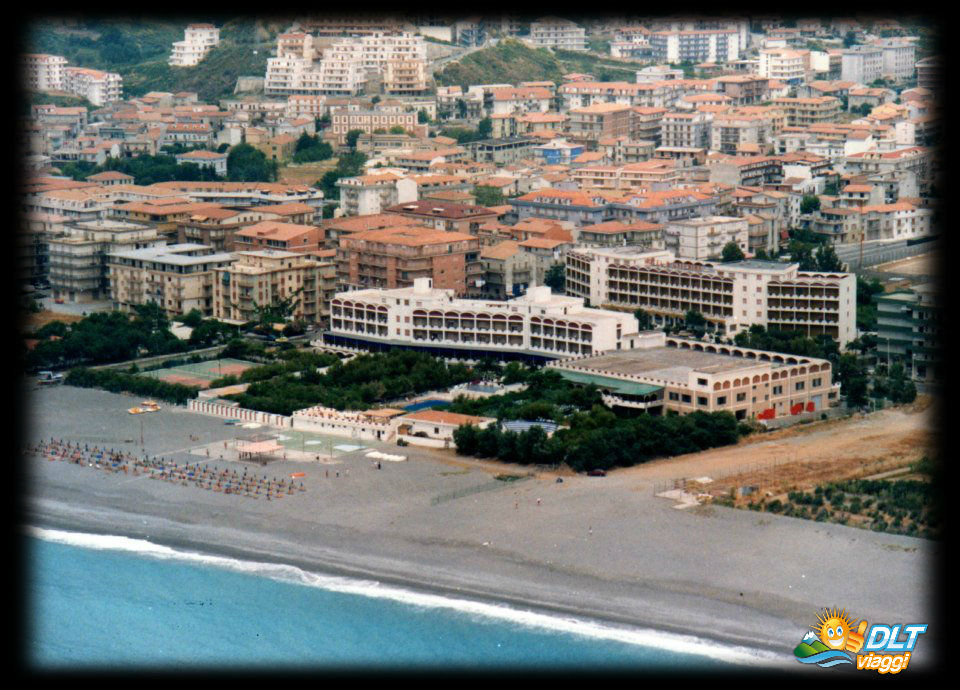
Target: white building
(552,32)
(538,325)
(704,238)
(205,159)
(96,86)
(197,41)
(789,66)
(899,57)
(862,64)
(732,296)
(43,72)
(722,45)
(366,194)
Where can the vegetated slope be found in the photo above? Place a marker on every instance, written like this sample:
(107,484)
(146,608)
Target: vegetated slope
(139,51)
(512,61)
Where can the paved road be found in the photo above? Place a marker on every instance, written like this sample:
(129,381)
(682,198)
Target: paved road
(880,252)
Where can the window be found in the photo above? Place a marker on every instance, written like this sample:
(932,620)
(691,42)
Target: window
(685,398)
(722,400)
(701,382)
(701,400)
(799,386)
(778,390)
(816,382)
(741,397)
(674,396)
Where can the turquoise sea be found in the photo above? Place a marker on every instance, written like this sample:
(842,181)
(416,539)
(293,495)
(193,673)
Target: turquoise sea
(98,601)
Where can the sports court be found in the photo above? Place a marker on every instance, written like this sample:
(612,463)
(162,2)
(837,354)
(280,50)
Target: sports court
(321,444)
(201,373)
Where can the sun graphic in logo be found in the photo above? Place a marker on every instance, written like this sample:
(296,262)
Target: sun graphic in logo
(835,628)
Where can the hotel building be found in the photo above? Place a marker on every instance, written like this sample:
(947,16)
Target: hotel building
(197,41)
(731,296)
(537,326)
(667,374)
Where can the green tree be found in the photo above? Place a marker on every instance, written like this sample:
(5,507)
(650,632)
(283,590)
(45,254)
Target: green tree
(556,278)
(695,322)
(192,318)
(422,117)
(485,128)
(644,320)
(827,259)
(731,252)
(397,129)
(488,196)
(352,137)
(247,164)
(461,109)
(810,203)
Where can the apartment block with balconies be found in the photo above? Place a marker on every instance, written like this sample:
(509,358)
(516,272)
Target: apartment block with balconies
(264,277)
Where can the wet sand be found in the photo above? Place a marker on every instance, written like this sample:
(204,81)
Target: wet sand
(592,548)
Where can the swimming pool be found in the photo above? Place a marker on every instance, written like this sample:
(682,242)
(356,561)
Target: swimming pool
(424,404)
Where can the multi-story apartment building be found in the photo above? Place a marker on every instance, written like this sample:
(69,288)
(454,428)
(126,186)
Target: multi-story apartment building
(367,194)
(899,57)
(621,150)
(537,326)
(718,46)
(508,271)
(395,256)
(96,86)
(686,130)
(215,226)
(592,123)
(270,234)
(731,296)
(655,174)
(734,133)
(783,64)
(78,253)
(908,330)
(258,278)
(667,374)
(640,235)
(521,100)
(929,73)
(43,72)
(552,32)
(803,112)
(463,218)
(701,239)
(197,41)
(581,94)
(862,64)
(177,277)
(743,89)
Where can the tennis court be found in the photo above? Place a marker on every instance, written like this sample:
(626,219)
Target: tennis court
(322,444)
(201,373)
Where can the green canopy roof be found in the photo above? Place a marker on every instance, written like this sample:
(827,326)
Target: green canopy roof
(611,384)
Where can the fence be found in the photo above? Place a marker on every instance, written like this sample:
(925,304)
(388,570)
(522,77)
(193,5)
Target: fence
(160,359)
(470,490)
(681,483)
(216,409)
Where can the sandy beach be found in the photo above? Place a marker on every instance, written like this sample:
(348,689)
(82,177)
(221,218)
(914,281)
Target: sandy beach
(586,547)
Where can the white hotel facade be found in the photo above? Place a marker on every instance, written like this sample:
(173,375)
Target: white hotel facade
(538,326)
(731,296)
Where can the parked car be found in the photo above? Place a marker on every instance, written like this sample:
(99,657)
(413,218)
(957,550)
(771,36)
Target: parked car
(597,473)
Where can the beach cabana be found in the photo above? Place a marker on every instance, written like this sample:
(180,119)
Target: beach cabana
(258,450)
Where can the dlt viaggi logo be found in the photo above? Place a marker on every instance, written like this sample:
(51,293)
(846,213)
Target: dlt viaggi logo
(830,642)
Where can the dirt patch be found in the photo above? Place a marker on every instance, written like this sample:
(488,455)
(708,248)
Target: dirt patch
(185,380)
(41,319)
(308,173)
(915,265)
(234,369)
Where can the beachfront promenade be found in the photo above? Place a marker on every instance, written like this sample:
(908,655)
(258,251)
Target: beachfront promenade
(599,547)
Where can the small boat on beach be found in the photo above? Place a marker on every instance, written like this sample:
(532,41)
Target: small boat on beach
(136,410)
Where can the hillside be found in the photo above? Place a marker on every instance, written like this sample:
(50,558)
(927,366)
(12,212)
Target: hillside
(138,51)
(512,61)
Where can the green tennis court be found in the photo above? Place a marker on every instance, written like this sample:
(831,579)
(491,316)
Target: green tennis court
(201,373)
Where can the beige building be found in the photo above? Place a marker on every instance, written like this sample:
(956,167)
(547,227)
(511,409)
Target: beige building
(178,277)
(667,374)
(731,296)
(263,277)
(43,72)
(704,238)
(803,112)
(552,32)
(78,251)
